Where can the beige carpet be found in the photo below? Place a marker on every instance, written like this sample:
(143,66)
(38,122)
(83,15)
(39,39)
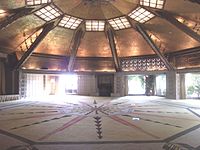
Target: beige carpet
(79,122)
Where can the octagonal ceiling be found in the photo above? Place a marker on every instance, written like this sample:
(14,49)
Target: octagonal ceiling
(95,18)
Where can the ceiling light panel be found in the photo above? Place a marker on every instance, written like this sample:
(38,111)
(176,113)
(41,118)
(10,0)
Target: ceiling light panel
(119,23)
(49,12)
(141,15)
(95,25)
(153,3)
(37,2)
(70,22)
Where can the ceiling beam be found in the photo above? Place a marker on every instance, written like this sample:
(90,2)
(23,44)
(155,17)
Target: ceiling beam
(111,38)
(74,48)
(16,14)
(46,29)
(170,18)
(195,1)
(148,39)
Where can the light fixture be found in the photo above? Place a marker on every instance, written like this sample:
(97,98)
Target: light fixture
(70,22)
(37,2)
(95,25)
(119,23)
(49,12)
(3,13)
(141,15)
(159,4)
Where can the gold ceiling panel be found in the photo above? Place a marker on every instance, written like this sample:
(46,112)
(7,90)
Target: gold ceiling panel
(57,42)
(94,44)
(46,63)
(181,6)
(13,35)
(11,4)
(94,65)
(131,43)
(80,9)
(172,37)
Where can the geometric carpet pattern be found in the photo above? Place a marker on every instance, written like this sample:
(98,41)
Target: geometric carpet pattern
(96,120)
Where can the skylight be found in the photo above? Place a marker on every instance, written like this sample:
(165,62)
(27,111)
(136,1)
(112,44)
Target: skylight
(37,2)
(153,3)
(141,15)
(49,12)
(119,23)
(95,25)
(70,22)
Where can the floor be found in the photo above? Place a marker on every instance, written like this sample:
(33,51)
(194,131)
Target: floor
(100,123)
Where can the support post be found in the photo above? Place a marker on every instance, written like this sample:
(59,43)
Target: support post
(46,29)
(167,16)
(75,45)
(153,46)
(113,48)
(16,14)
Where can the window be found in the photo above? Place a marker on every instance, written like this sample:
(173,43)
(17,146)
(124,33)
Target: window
(161,85)
(153,3)
(136,84)
(49,12)
(141,15)
(70,22)
(95,25)
(37,2)
(119,23)
(192,83)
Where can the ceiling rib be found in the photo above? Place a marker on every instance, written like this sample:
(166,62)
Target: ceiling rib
(16,14)
(46,29)
(167,16)
(74,48)
(110,34)
(145,35)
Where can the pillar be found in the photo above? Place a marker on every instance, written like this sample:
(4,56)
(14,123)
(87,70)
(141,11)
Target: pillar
(172,85)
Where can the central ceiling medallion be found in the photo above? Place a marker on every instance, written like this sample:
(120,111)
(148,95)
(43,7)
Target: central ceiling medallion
(95,2)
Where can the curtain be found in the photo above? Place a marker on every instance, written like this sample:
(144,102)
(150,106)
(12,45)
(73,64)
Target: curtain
(2,77)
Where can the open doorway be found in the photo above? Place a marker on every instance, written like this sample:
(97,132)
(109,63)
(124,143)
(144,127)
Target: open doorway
(160,85)
(40,85)
(136,85)
(192,84)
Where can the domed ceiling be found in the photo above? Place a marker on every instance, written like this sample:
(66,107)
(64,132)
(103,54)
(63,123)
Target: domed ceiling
(100,35)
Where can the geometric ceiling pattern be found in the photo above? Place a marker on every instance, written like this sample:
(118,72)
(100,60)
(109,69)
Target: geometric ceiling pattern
(97,35)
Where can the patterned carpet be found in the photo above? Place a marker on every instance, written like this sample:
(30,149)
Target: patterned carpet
(99,121)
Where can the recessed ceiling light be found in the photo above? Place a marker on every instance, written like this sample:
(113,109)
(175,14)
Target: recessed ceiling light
(37,2)
(119,23)
(141,15)
(95,25)
(70,22)
(48,13)
(135,119)
(153,3)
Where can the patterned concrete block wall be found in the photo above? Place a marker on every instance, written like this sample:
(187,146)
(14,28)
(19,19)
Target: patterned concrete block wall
(119,85)
(87,85)
(173,85)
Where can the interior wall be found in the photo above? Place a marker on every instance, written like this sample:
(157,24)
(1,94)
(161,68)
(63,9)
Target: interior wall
(87,85)
(2,77)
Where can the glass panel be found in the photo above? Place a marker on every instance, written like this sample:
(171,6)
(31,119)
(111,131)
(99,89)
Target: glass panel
(161,85)
(192,83)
